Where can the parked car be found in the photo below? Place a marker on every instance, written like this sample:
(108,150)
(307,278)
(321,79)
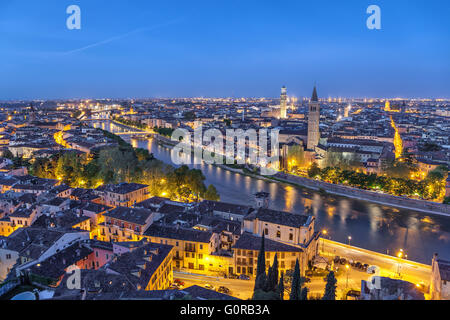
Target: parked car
(372,269)
(343,261)
(337,259)
(233,276)
(358,265)
(223,289)
(244,277)
(179,282)
(208,286)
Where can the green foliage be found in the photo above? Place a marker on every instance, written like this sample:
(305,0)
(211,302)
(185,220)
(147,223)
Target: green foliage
(7,154)
(125,164)
(211,194)
(330,287)
(280,288)
(265,295)
(166,132)
(261,267)
(314,170)
(131,123)
(430,188)
(267,285)
(296,285)
(447,200)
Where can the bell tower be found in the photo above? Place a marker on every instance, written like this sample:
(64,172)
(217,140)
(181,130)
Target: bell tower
(313,122)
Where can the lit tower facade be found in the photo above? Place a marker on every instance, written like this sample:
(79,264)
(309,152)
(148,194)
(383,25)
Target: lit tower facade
(283,103)
(313,122)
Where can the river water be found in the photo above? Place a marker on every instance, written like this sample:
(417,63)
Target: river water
(371,226)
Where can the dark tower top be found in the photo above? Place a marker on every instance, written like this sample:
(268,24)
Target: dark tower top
(314,95)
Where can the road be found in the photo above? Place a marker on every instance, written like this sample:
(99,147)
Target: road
(241,289)
(351,278)
(391,267)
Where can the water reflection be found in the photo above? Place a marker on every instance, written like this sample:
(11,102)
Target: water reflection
(372,226)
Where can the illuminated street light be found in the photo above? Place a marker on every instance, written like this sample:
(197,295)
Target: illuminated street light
(347,267)
(349,239)
(324,232)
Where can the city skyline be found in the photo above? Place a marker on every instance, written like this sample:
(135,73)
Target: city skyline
(224,50)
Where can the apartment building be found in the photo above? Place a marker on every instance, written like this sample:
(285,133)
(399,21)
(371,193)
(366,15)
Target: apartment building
(125,224)
(123,194)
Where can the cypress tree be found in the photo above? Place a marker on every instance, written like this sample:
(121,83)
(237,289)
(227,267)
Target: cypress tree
(280,289)
(261,277)
(304,294)
(330,288)
(296,286)
(272,281)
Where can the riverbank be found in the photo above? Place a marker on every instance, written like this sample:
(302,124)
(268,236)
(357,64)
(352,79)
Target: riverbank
(366,195)
(340,190)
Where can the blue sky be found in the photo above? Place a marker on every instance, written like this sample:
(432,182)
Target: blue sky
(221,48)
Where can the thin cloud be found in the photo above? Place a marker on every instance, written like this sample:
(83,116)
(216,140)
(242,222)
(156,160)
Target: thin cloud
(119,37)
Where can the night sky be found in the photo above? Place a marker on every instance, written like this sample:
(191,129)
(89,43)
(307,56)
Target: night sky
(227,48)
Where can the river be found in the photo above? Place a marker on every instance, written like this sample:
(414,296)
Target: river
(371,226)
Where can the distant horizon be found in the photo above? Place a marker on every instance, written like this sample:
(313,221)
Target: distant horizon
(221,97)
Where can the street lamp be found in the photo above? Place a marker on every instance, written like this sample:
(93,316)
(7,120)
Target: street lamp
(349,239)
(400,256)
(347,267)
(324,232)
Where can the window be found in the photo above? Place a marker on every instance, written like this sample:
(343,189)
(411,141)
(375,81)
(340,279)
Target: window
(201,247)
(278,234)
(191,265)
(266,231)
(200,256)
(8,256)
(201,267)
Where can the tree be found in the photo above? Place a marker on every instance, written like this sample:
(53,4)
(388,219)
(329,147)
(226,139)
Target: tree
(296,285)
(304,295)
(7,154)
(330,288)
(211,194)
(261,267)
(280,288)
(266,286)
(314,170)
(272,278)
